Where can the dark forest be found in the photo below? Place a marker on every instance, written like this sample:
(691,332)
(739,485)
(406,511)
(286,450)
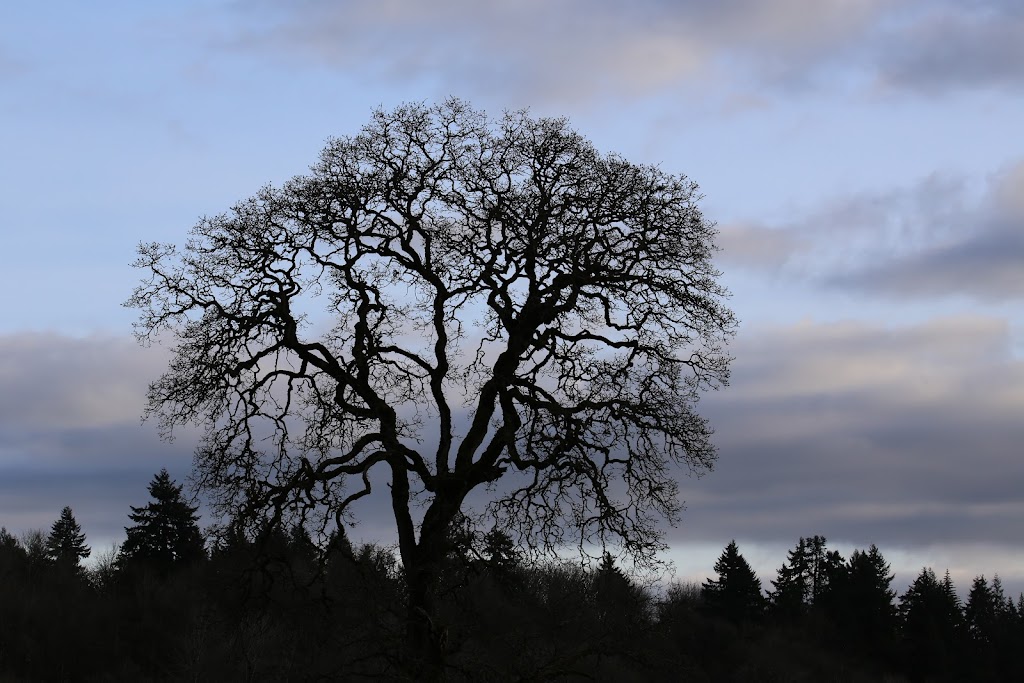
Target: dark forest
(174,605)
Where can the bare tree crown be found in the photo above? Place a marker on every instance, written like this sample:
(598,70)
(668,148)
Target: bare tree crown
(504,302)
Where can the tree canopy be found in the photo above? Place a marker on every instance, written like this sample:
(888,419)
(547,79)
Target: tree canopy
(503,302)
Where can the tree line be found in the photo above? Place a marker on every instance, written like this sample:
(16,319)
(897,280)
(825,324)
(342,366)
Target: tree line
(174,604)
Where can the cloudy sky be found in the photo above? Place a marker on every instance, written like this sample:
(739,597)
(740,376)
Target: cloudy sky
(864,161)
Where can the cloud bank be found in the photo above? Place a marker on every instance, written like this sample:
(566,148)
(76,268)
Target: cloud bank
(578,49)
(901,436)
(863,432)
(928,241)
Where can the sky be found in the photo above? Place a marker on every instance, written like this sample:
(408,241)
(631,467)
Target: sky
(863,160)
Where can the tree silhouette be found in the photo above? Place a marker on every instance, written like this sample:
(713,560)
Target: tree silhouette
(931,625)
(166,533)
(736,593)
(66,543)
(861,603)
(507,304)
(982,610)
(805,577)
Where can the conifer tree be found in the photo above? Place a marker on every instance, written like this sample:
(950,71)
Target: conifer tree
(499,551)
(166,533)
(791,586)
(931,625)
(66,543)
(804,579)
(864,601)
(618,600)
(736,593)
(983,610)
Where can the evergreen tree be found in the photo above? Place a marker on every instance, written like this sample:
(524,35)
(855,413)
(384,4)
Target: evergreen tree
(866,613)
(804,579)
(736,594)
(619,601)
(983,610)
(931,626)
(166,533)
(500,552)
(791,595)
(66,543)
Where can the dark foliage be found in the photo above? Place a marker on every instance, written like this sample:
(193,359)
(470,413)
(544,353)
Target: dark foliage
(279,605)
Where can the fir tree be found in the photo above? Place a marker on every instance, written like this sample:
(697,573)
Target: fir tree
(166,533)
(65,545)
(736,594)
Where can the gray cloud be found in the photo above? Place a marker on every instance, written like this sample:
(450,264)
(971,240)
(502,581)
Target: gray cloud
(945,45)
(898,436)
(70,432)
(573,49)
(905,436)
(930,240)
(565,50)
(978,253)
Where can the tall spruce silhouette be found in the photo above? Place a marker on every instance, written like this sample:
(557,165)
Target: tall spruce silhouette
(736,593)
(66,543)
(166,531)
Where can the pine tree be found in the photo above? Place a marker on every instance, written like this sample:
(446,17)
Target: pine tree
(65,545)
(166,533)
(736,594)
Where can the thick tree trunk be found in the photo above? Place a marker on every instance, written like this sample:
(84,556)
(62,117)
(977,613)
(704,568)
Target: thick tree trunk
(424,641)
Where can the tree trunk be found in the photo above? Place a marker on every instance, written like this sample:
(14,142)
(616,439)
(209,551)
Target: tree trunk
(424,641)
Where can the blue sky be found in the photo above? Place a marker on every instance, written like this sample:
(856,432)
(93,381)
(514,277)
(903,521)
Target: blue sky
(863,160)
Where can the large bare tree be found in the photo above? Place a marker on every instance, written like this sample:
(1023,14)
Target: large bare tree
(449,303)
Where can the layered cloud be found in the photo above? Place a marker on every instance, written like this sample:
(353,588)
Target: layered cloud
(868,433)
(937,46)
(70,431)
(898,435)
(572,49)
(935,239)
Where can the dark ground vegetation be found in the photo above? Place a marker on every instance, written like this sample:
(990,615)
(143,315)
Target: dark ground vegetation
(283,608)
